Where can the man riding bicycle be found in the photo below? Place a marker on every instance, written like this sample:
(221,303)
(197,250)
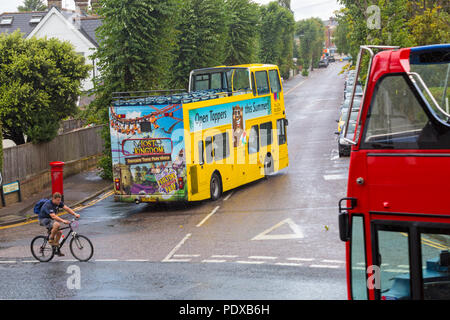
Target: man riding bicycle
(48,218)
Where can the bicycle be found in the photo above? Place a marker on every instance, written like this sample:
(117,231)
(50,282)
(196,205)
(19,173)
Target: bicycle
(80,246)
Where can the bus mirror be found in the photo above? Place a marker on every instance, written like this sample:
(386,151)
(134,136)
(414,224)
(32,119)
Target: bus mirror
(286,122)
(344,229)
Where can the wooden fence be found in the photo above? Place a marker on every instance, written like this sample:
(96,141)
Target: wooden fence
(24,161)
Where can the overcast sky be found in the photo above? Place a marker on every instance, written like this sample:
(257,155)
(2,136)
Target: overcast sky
(302,8)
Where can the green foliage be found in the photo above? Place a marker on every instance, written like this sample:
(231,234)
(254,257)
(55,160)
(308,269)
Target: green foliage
(39,86)
(243,35)
(277,36)
(32,5)
(1,148)
(402,23)
(312,35)
(202,39)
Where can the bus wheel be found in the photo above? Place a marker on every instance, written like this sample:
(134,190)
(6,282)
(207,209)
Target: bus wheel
(215,187)
(268,165)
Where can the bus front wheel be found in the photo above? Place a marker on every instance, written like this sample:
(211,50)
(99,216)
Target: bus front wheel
(215,187)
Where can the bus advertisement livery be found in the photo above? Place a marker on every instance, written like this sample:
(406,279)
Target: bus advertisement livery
(228,130)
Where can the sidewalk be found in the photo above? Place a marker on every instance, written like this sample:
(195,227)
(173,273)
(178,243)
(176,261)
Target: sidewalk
(78,188)
(291,83)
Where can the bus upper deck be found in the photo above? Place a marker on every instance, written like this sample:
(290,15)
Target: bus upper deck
(177,146)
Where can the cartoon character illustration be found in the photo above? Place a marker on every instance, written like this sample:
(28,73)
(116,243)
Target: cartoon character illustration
(238,125)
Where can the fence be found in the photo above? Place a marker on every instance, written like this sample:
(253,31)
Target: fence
(24,161)
(70,125)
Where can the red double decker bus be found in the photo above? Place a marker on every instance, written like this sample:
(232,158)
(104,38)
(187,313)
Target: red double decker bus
(395,219)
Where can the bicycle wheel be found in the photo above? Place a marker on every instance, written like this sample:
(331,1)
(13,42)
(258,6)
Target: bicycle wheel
(41,249)
(81,248)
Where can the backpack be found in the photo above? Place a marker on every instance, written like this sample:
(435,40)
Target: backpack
(38,205)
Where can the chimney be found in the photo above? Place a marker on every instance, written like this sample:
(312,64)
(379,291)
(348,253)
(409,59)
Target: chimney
(54,3)
(82,4)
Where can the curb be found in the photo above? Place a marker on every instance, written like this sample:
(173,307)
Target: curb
(4,224)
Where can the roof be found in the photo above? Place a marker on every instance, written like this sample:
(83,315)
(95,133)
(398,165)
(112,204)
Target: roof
(88,27)
(21,20)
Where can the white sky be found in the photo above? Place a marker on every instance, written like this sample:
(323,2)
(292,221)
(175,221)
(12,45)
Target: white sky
(302,8)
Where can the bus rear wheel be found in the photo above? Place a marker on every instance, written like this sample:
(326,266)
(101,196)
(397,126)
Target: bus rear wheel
(215,187)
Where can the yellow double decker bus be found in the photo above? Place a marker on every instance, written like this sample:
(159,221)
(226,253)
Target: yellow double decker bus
(227,130)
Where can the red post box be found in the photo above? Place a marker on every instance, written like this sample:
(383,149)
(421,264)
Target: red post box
(57,176)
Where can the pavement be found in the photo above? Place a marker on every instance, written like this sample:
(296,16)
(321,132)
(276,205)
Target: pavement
(78,189)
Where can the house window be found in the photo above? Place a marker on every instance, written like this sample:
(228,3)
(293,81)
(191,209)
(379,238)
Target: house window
(6,21)
(35,19)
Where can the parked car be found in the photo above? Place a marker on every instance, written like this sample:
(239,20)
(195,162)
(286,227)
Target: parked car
(331,59)
(356,102)
(344,116)
(345,147)
(323,63)
(349,88)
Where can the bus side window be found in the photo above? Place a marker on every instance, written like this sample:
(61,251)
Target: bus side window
(201,153)
(209,149)
(221,146)
(281,130)
(253,140)
(261,82)
(274,81)
(266,134)
(253,84)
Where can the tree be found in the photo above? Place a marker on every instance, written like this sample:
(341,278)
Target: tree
(277,36)
(312,34)
(285,3)
(243,34)
(40,83)
(137,41)
(203,36)
(32,5)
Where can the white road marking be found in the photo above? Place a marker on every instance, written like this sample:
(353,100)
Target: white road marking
(106,260)
(323,266)
(300,259)
(213,261)
(68,260)
(208,216)
(289,264)
(250,262)
(176,260)
(228,196)
(335,177)
(9,261)
(178,246)
(137,260)
(186,255)
(333,261)
(262,257)
(31,261)
(223,256)
(298,234)
(403,266)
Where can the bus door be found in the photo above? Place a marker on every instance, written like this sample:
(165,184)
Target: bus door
(253,161)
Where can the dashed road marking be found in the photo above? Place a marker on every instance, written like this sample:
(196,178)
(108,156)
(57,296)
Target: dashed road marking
(250,262)
(208,216)
(300,259)
(262,257)
(228,196)
(297,232)
(223,256)
(323,266)
(213,261)
(291,264)
(178,246)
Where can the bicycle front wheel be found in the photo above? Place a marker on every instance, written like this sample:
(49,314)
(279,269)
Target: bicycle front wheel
(41,249)
(81,248)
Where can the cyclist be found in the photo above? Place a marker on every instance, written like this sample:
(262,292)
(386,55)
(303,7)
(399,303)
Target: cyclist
(48,218)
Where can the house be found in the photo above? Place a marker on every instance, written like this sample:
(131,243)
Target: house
(74,26)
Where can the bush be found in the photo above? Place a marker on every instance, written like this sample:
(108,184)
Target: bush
(305,72)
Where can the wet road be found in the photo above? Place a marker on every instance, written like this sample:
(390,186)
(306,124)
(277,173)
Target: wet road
(272,239)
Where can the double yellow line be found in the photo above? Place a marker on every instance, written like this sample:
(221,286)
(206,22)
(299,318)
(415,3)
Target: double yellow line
(76,208)
(430,243)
